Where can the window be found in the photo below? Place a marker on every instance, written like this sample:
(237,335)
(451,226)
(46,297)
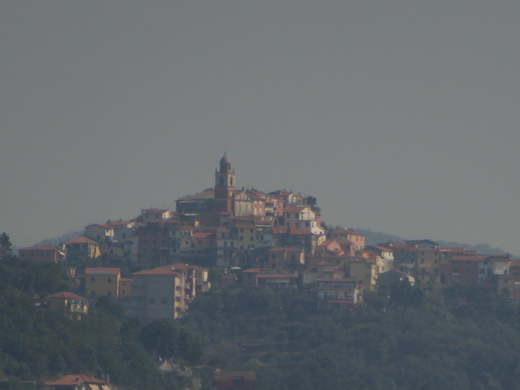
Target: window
(92,280)
(109,280)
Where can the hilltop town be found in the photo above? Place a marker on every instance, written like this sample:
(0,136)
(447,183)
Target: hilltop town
(262,278)
(253,238)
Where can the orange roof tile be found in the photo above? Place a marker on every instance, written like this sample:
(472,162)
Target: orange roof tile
(166,270)
(80,240)
(66,295)
(75,379)
(102,271)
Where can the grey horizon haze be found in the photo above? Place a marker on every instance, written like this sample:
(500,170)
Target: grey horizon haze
(398,116)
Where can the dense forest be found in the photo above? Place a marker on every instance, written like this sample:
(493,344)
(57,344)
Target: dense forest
(402,338)
(405,338)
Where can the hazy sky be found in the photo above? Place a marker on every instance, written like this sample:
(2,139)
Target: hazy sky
(398,116)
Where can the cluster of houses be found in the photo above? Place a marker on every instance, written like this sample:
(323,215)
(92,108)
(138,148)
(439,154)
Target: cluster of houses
(254,238)
(274,239)
(222,380)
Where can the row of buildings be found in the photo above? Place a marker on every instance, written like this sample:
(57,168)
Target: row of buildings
(274,239)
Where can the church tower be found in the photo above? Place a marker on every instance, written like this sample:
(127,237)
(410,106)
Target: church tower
(224,186)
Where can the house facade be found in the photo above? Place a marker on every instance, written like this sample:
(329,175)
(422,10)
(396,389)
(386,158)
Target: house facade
(41,254)
(102,282)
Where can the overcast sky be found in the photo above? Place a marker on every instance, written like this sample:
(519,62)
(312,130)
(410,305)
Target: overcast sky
(398,116)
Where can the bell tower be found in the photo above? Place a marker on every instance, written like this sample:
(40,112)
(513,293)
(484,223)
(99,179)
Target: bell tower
(224,185)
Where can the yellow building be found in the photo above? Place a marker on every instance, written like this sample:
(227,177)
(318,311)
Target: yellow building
(70,304)
(102,282)
(358,239)
(284,258)
(246,235)
(81,247)
(364,272)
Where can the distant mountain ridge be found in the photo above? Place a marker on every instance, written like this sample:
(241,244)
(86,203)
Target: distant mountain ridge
(372,238)
(64,237)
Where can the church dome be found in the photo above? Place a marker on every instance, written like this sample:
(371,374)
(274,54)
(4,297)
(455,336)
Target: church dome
(225,159)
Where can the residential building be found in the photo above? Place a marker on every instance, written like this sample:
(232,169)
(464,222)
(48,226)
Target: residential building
(364,272)
(41,254)
(155,241)
(99,232)
(77,382)
(339,293)
(284,258)
(277,280)
(387,279)
(71,305)
(81,247)
(162,293)
(102,282)
(462,269)
(125,287)
(155,215)
(357,238)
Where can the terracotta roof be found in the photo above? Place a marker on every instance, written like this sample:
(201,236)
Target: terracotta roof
(102,271)
(294,209)
(66,295)
(202,234)
(166,270)
(251,270)
(336,280)
(186,266)
(295,230)
(223,229)
(76,379)
(81,240)
(467,258)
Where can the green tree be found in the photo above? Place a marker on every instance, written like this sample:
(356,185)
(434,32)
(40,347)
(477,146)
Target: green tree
(5,247)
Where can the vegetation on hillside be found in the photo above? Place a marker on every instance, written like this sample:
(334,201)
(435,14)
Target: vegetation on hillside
(404,338)
(458,338)
(38,344)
